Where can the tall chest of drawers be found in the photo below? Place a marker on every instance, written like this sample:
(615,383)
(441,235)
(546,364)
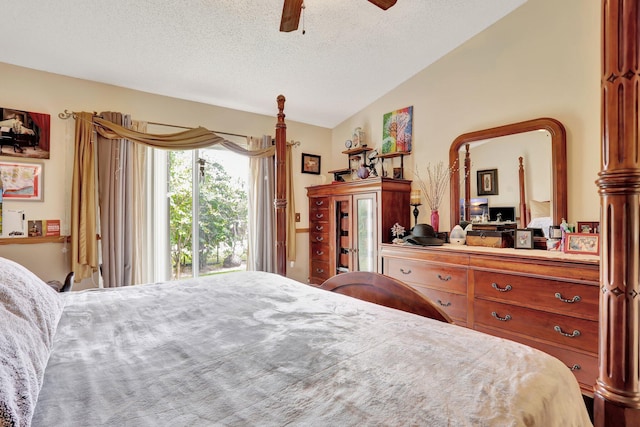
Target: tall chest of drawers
(545,300)
(348,220)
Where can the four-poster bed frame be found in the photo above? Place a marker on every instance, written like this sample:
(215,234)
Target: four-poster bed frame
(617,390)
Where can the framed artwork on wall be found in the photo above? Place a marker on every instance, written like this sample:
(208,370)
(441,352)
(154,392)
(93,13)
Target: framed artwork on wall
(487,182)
(397,131)
(24,134)
(310,164)
(22,181)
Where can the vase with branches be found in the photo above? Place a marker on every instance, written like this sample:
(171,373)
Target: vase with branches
(433,187)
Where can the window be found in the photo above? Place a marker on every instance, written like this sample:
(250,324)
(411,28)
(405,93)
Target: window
(207,234)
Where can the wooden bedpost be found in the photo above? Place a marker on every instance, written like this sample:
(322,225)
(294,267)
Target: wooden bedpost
(467,183)
(617,390)
(524,220)
(280,202)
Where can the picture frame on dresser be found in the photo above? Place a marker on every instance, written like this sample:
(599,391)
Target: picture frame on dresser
(588,227)
(523,239)
(582,243)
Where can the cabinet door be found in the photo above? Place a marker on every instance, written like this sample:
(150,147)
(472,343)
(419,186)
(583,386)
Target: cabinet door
(365,255)
(344,234)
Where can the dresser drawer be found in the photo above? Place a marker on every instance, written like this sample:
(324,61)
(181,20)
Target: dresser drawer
(316,237)
(455,305)
(320,269)
(569,331)
(572,299)
(583,366)
(319,204)
(319,251)
(440,276)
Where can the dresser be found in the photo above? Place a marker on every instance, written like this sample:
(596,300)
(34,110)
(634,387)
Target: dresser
(348,220)
(547,300)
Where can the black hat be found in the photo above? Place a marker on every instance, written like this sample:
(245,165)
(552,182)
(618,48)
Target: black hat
(423,234)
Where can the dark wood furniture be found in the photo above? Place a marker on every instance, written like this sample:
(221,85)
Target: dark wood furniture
(348,220)
(617,392)
(384,290)
(545,300)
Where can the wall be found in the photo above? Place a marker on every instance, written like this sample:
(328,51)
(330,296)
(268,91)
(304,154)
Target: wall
(542,60)
(31,90)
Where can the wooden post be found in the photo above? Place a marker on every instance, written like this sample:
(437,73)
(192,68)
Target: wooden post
(617,391)
(524,219)
(280,202)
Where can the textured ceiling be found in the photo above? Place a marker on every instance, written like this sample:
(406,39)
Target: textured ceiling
(230,52)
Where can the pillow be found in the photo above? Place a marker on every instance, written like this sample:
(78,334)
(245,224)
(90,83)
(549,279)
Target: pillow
(29,314)
(540,209)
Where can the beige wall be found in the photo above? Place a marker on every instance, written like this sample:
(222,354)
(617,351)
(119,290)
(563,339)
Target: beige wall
(542,60)
(31,90)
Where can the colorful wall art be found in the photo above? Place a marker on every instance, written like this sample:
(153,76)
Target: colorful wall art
(397,131)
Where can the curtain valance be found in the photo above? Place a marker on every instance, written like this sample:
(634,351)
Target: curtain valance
(185,140)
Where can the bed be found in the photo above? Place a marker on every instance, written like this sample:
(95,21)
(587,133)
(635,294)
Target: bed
(255,348)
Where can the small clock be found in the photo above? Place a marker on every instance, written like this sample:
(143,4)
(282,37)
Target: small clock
(348,143)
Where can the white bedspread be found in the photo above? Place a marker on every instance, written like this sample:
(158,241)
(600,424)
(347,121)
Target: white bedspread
(252,348)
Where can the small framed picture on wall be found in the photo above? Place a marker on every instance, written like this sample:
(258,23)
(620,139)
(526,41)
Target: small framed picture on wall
(487,182)
(310,164)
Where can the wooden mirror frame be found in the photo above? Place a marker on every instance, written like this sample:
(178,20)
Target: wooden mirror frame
(558,161)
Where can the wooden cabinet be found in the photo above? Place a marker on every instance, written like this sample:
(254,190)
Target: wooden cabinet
(546,300)
(348,220)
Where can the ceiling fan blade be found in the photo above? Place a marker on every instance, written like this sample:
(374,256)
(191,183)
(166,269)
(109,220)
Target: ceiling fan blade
(383,4)
(291,15)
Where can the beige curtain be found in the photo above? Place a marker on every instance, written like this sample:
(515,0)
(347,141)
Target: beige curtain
(84,246)
(84,239)
(262,238)
(140,222)
(115,193)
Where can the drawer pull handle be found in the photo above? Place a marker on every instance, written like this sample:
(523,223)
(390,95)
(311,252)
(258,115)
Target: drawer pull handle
(502,319)
(575,333)
(444,278)
(319,216)
(495,286)
(319,270)
(575,367)
(319,227)
(319,238)
(403,271)
(568,301)
(444,304)
(320,203)
(319,252)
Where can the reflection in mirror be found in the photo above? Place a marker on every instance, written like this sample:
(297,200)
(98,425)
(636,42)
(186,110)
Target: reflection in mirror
(501,157)
(522,172)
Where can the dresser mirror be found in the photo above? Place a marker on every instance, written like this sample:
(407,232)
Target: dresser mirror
(525,165)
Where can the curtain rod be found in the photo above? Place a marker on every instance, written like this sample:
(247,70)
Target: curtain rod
(185,127)
(68,114)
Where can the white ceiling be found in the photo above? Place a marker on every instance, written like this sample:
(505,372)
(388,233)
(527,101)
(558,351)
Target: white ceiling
(230,53)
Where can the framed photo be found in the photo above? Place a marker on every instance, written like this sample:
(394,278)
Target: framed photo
(488,182)
(24,134)
(582,243)
(523,239)
(588,227)
(22,181)
(310,164)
